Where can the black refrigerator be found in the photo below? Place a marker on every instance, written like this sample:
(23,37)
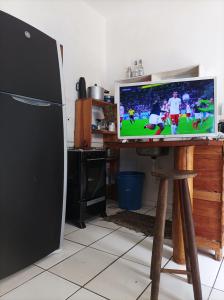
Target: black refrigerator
(32,147)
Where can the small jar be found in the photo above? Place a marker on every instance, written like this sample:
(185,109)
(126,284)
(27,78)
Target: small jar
(111,126)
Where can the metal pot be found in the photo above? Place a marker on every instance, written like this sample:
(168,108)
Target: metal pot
(96,92)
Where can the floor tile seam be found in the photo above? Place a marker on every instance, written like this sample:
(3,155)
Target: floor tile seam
(96,293)
(113,230)
(202,284)
(104,226)
(73,294)
(105,252)
(43,271)
(69,297)
(64,258)
(176,275)
(39,267)
(66,279)
(75,242)
(119,257)
(142,264)
(73,254)
(222,291)
(71,231)
(151,280)
(213,286)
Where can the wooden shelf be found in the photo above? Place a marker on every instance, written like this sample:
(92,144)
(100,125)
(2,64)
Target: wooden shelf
(118,145)
(84,121)
(101,103)
(96,131)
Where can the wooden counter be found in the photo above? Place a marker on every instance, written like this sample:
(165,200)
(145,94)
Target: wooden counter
(118,145)
(183,160)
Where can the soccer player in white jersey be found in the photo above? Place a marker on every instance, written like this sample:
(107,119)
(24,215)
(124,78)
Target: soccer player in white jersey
(174,107)
(188,111)
(165,112)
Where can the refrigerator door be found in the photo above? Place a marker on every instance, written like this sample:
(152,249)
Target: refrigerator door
(31,181)
(28,60)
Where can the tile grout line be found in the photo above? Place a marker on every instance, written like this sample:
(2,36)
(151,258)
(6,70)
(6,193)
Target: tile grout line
(222,263)
(64,258)
(48,270)
(85,246)
(128,259)
(151,280)
(113,230)
(105,226)
(118,257)
(23,282)
(73,294)
(115,261)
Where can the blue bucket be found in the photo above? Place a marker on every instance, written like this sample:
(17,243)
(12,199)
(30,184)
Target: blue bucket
(129,189)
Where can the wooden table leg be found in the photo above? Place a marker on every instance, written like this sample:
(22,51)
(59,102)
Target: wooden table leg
(183,160)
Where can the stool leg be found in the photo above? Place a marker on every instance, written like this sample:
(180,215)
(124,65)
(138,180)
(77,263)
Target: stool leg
(158,238)
(183,220)
(190,234)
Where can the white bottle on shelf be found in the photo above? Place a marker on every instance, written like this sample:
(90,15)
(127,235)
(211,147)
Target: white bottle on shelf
(129,72)
(140,68)
(135,69)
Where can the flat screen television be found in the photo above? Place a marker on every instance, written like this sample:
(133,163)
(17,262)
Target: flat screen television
(168,108)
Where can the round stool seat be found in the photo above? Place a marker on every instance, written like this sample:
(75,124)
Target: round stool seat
(174,174)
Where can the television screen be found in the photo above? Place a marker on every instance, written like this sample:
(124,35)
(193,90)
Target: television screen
(180,108)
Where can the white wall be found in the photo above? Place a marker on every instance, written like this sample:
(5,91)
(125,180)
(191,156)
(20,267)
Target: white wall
(166,35)
(81,31)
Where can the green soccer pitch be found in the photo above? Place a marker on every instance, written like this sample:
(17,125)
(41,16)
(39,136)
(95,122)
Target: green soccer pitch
(184,127)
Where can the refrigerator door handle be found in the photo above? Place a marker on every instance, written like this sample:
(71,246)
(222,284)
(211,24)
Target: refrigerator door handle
(31,101)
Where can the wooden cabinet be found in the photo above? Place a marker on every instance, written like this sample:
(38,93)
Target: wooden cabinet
(208,196)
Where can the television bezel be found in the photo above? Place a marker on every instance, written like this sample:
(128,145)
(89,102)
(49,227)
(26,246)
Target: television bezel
(118,85)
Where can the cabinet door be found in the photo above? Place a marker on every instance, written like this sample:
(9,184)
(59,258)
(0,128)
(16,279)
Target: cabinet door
(95,178)
(207,196)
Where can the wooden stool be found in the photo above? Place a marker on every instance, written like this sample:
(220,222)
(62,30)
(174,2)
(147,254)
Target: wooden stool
(192,269)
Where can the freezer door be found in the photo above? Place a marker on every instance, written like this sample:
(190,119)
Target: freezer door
(28,60)
(31,182)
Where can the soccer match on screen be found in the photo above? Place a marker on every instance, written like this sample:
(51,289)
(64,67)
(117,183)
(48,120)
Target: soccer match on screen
(174,108)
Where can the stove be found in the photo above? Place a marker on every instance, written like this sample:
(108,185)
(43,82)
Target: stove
(86,185)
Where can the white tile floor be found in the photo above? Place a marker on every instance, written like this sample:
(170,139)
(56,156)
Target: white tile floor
(106,261)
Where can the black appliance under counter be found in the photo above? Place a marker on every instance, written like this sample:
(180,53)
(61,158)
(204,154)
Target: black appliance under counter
(86,188)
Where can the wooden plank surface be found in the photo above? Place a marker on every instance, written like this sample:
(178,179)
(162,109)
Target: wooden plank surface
(184,157)
(209,196)
(164,144)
